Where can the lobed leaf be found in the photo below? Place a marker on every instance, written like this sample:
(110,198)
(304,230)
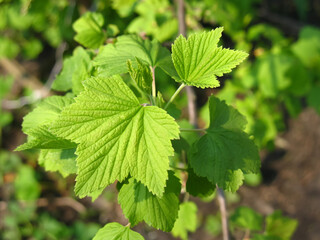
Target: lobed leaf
(115,231)
(187,220)
(225,152)
(88,29)
(117,137)
(139,204)
(198,60)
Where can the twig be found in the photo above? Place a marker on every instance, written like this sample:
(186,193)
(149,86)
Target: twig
(193,130)
(45,202)
(154,91)
(192,108)
(23,78)
(224,215)
(57,66)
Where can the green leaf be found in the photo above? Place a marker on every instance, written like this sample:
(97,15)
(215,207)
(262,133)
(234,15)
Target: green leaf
(76,69)
(313,98)
(273,72)
(26,184)
(36,124)
(198,60)
(280,226)
(46,112)
(112,59)
(117,136)
(139,204)
(199,186)
(225,152)
(247,218)
(141,75)
(307,48)
(88,29)
(61,160)
(8,48)
(115,231)
(42,138)
(187,220)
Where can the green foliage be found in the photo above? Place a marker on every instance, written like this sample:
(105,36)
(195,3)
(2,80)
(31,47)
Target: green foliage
(88,29)
(76,69)
(225,152)
(139,204)
(26,185)
(186,221)
(247,218)
(279,226)
(112,59)
(115,231)
(198,60)
(133,139)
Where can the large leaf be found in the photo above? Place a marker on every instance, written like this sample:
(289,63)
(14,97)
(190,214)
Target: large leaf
(198,60)
(112,59)
(139,204)
(117,136)
(225,152)
(88,29)
(187,220)
(115,231)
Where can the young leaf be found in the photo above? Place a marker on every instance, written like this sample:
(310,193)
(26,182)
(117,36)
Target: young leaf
(225,151)
(247,218)
(117,137)
(76,69)
(187,220)
(280,226)
(88,29)
(112,59)
(198,60)
(61,160)
(115,231)
(141,75)
(139,204)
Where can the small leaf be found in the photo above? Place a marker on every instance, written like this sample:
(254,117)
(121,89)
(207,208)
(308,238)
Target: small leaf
(139,204)
(187,220)
(225,152)
(141,75)
(115,231)
(112,59)
(247,218)
(117,136)
(280,226)
(88,29)
(198,60)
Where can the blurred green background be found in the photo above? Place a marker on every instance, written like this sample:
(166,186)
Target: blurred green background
(277,89)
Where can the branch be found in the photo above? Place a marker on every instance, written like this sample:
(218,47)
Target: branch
(45,202)
(224,215)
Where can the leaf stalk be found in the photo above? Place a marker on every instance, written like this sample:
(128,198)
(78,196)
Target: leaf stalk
(174,95)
